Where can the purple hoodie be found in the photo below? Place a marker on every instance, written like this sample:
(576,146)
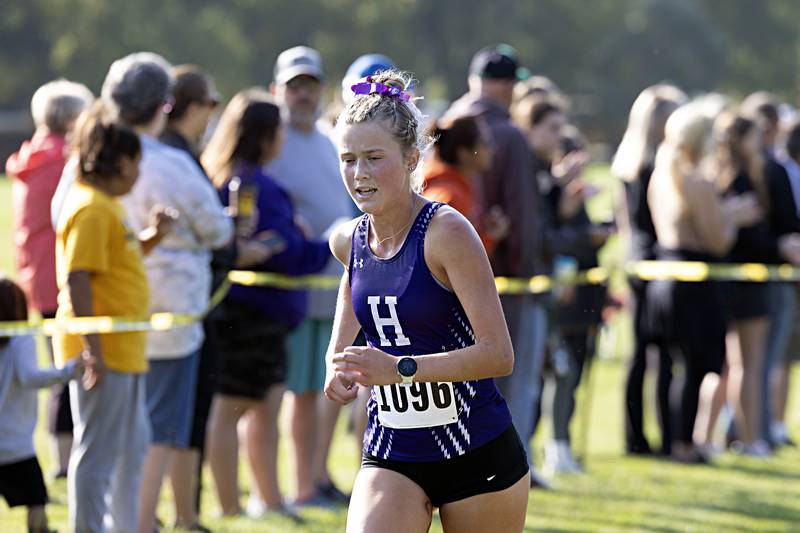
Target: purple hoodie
(301,256)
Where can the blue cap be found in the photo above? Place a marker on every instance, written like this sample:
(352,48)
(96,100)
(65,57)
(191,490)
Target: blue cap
(367,65)
(363,66)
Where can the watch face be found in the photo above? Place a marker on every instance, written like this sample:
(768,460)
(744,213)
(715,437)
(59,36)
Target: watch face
(407,367)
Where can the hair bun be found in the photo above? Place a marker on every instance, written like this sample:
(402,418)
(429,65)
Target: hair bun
(395,83)
(391,78)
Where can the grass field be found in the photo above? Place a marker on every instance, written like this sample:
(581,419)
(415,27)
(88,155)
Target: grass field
(618,493)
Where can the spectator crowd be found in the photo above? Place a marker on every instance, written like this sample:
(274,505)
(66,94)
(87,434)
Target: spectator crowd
(142,200)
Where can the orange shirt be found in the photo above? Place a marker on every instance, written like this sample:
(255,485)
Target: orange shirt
(444,183)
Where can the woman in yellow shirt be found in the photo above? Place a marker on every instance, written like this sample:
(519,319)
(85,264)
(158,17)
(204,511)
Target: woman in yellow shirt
(100,273)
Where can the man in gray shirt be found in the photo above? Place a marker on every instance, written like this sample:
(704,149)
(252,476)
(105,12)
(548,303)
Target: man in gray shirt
(308,169)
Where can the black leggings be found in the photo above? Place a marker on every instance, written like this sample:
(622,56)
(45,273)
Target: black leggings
(685,397)
(580,346)
(635,440)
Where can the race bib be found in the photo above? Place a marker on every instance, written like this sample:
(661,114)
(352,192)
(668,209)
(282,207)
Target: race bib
(416,405)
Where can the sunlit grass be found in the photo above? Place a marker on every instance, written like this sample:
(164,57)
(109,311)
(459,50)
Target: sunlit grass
(617,494)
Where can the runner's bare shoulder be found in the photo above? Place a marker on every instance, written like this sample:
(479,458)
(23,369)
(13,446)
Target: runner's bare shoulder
(341,241)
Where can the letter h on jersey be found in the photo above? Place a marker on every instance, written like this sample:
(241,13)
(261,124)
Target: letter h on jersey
(393,321)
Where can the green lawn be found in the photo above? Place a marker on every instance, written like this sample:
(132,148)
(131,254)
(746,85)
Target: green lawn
(618,493)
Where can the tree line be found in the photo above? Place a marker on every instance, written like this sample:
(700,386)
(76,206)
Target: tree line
(601,51)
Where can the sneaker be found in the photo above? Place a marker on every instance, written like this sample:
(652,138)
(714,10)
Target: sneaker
(559,460)
(710,450)
(780,435)
(736,446)
(777,431)
(332,492)
(289,513)
(256,508)
(759,449)
(691,457)
(538,482)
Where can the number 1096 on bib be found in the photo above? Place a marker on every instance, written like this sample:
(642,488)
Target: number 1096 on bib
(416,405)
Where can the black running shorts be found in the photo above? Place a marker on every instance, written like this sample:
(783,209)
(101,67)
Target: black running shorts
(493,467)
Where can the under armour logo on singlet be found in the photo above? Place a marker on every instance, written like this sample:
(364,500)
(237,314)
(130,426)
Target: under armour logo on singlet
(392,321)
(359,263)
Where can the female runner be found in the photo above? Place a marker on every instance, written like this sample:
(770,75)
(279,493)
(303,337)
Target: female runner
(419,284)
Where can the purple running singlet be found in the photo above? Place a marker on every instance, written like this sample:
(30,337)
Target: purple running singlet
(405,311)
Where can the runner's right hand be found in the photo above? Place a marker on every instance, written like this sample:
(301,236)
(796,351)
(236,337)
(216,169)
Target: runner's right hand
(338,389)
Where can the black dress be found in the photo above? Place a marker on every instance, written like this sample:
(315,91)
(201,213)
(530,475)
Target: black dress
(642,247)
(754,244)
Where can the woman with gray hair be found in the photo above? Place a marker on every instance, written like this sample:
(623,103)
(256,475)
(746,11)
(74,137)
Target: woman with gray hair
(178,270)
(137,88)
(35,170)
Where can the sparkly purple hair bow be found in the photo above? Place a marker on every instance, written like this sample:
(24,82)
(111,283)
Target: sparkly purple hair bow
(371,87)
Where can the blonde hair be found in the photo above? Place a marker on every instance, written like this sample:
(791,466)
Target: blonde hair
(57,104)
(645,130)
(687,143)
(404,119)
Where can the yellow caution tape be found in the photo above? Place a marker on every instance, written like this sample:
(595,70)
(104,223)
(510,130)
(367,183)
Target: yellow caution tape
(111,324)
(694,271)
(97,324)
(541,284)
(690,271)
(280,281)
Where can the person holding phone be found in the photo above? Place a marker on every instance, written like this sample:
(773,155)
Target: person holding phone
(253,322)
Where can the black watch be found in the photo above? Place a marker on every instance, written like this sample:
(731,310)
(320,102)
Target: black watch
(407,369)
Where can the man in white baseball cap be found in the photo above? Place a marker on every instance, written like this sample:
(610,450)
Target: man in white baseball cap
(298,61)
(308,170)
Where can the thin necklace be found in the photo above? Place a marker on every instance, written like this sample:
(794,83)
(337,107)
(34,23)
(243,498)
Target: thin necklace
(381,241)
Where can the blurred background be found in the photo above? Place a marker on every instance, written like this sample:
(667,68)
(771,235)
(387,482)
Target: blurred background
(601,53)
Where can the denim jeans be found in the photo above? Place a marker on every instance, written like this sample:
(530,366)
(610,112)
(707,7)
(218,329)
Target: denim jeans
(783,310)
(527,323)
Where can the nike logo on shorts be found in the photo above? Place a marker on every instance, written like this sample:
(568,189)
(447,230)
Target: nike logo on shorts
(491,477)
